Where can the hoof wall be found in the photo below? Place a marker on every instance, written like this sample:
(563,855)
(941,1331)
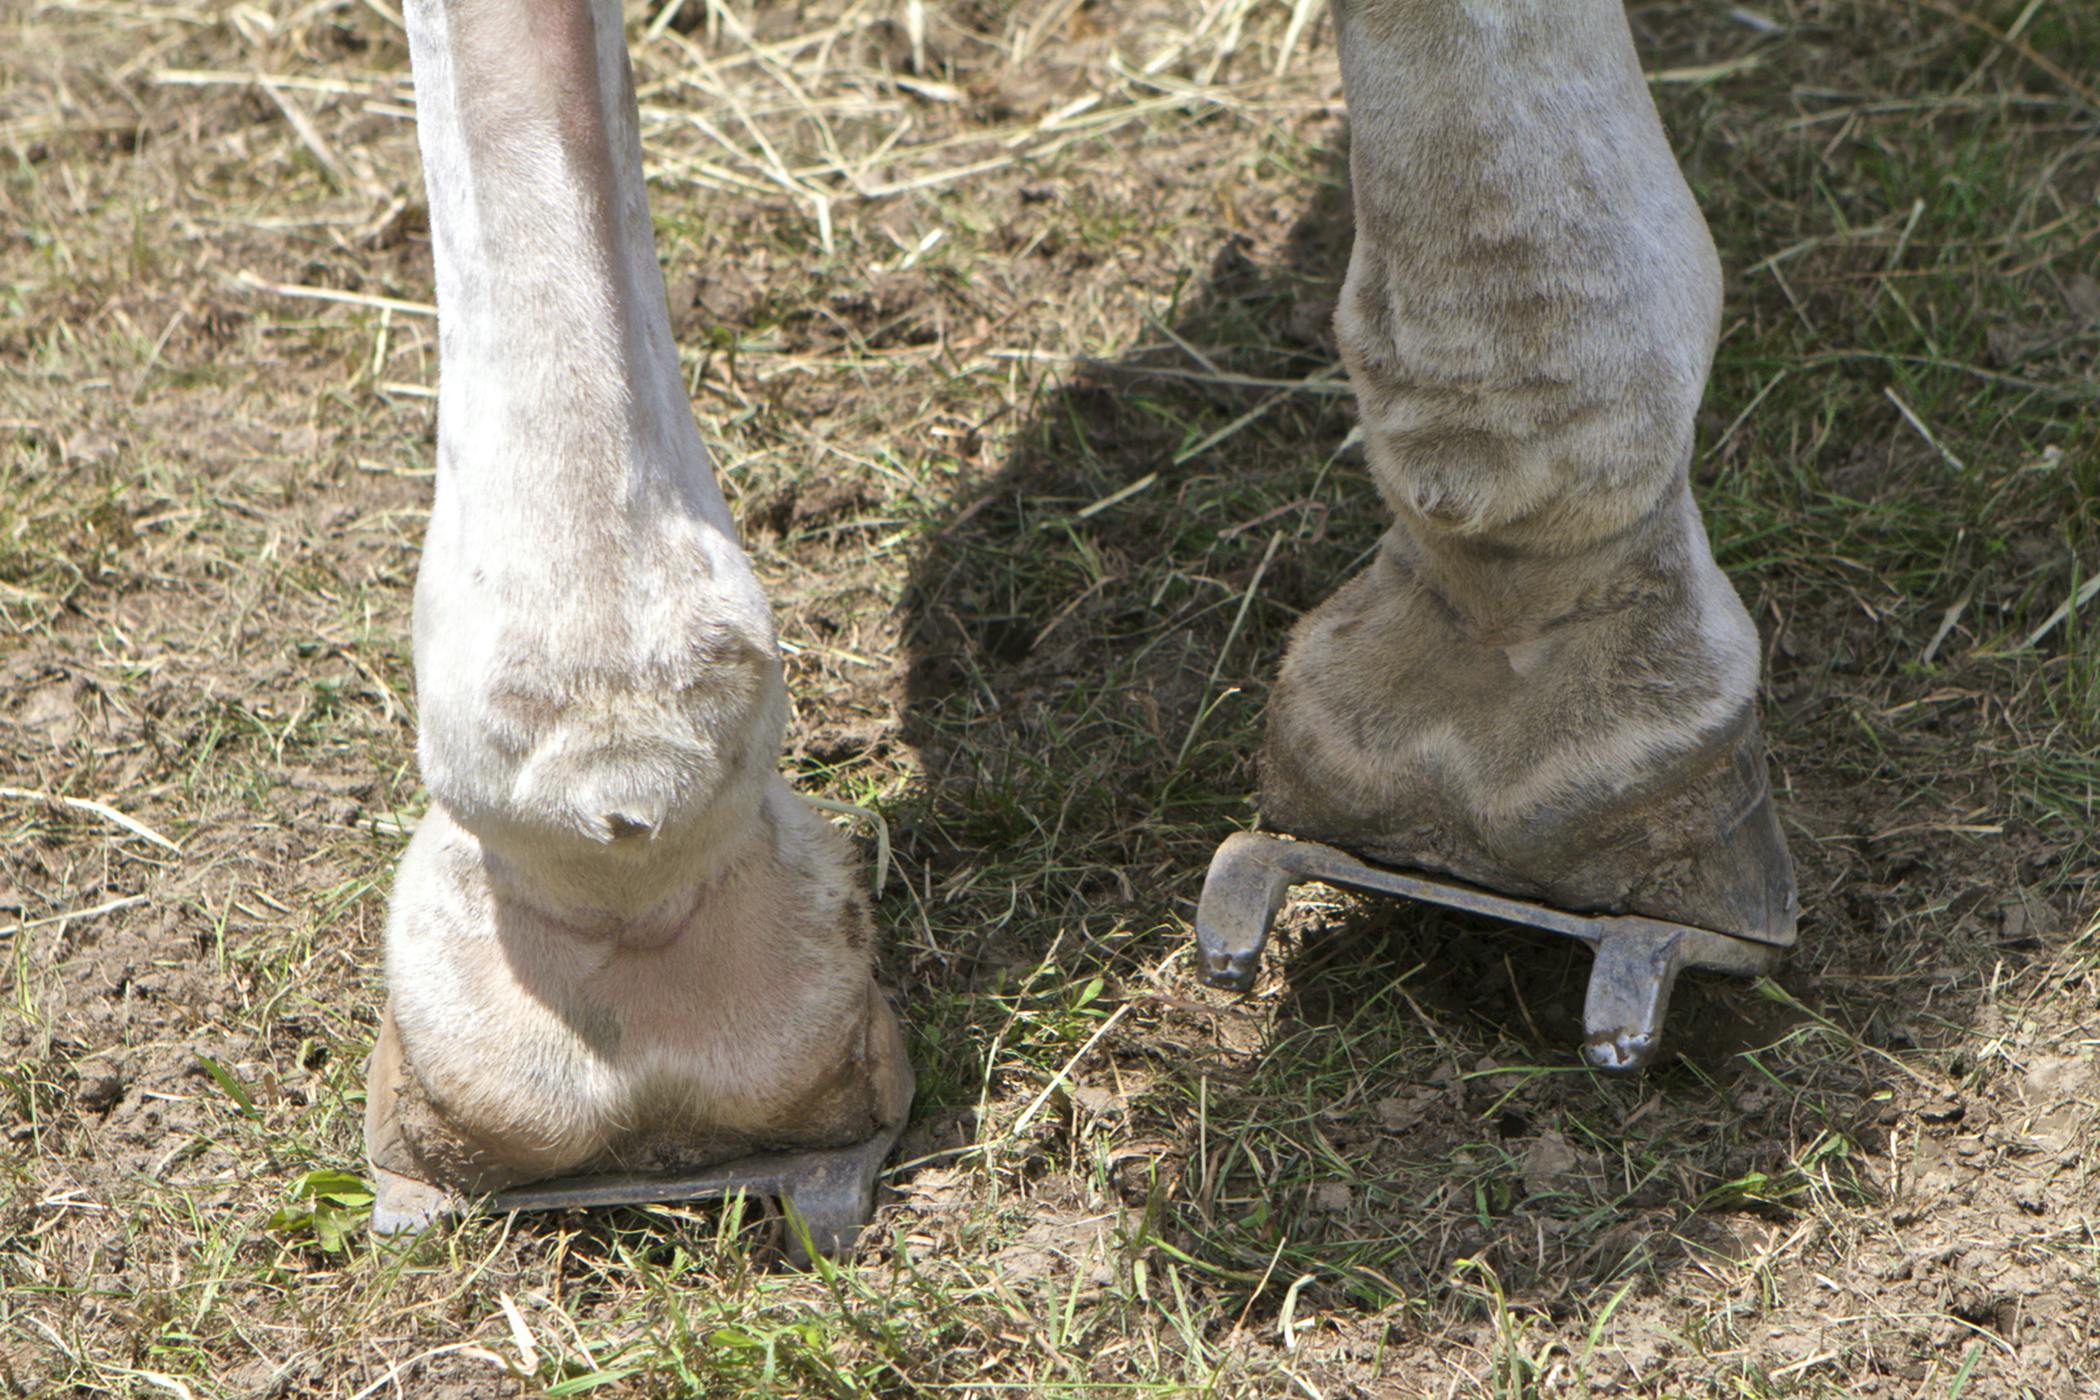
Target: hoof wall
(402,1205)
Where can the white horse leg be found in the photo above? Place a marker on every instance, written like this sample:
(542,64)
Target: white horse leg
(617,940)
(1542,683)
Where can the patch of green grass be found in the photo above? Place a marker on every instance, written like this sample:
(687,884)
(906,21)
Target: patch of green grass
(1085,462)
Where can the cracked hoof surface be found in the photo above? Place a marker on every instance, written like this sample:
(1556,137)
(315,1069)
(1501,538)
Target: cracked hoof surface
(1699,846)
(1577,729)
(425,1166)
(726,1035)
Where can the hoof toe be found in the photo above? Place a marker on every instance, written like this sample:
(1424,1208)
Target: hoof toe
(404,1206)
(1229,971)
(1621,1052)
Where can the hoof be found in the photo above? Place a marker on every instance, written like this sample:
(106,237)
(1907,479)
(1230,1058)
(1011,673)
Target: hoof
(532,1058)
(424,1168)
(402,1205)
(1696,844)
(1596,749)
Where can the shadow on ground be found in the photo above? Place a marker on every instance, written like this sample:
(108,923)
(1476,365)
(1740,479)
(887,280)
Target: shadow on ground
(1398,1111)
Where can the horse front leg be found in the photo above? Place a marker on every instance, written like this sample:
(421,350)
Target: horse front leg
(1542,683)
(618,943)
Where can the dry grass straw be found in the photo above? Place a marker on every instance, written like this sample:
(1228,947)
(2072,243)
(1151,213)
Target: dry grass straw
(1008,326)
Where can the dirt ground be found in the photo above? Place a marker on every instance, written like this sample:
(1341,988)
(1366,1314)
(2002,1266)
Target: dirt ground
(1009,325)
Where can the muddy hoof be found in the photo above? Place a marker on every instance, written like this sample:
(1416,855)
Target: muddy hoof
(1696,844)
(425,1166)
(1575,727)
(1573,736)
